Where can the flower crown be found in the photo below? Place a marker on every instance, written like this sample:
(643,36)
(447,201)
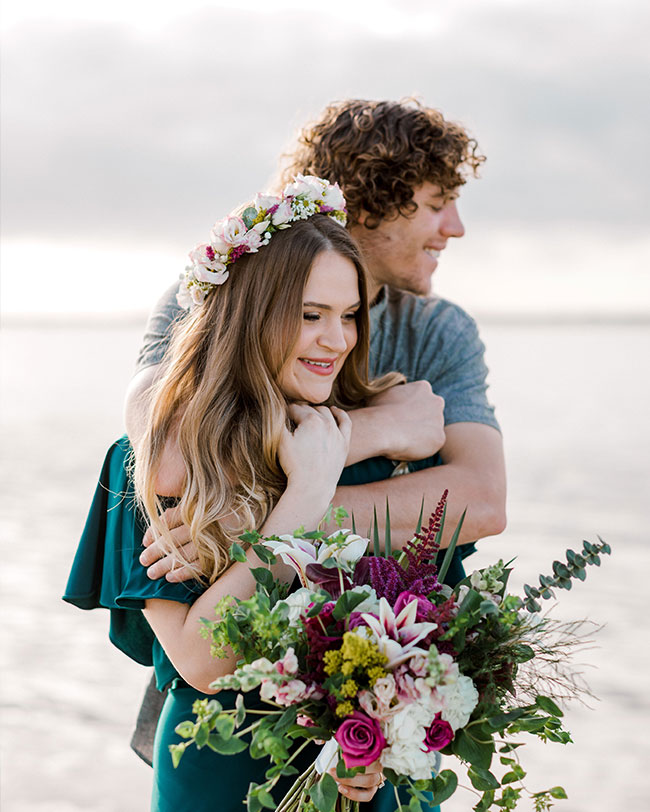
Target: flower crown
(237,235)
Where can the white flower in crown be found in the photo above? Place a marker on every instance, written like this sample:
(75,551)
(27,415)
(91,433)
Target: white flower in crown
(237,235)
(333,198)
(266,202)
(308,186)
(282,214)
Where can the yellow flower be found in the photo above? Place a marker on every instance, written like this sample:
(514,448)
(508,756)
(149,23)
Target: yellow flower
(349,688)
(333,661)
(345,708)
(375,673)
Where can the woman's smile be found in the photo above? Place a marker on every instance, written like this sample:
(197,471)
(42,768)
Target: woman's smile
(328,332)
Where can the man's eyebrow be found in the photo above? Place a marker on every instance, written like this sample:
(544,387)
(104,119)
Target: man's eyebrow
(328,307)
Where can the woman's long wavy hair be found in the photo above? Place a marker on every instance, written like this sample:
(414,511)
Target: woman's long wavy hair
(220,393)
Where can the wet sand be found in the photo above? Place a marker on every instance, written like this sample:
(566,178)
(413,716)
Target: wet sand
(573,402)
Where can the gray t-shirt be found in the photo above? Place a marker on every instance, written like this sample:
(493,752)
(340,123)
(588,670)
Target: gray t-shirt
(423,338)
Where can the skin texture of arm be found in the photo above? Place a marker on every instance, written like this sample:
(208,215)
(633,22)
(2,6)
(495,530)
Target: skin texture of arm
(473,472)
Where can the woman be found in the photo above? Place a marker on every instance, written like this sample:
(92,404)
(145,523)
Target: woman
(280,321)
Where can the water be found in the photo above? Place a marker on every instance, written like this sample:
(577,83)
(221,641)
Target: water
(573,403)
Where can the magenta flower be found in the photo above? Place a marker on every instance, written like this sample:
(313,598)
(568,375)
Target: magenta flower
(438,735)
(424,605)
(360,739)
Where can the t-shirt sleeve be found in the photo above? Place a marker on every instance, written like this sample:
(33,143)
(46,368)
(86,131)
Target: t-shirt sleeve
(158,331)
(454,363)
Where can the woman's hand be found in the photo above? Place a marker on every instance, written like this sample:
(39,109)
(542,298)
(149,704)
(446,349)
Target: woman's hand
(313,455)
(361,787)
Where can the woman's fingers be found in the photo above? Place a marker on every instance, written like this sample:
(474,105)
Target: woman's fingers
(181,537)
(361,787)
(171,517)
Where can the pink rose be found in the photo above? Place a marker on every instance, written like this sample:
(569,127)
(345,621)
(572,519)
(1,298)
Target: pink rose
(438,735)
(360,739)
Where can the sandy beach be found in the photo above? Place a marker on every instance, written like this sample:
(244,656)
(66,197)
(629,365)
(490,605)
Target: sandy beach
(573,402)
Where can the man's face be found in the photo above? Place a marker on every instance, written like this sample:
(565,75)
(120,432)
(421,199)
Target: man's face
(403,252)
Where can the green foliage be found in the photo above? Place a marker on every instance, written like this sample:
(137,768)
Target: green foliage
(446,561)
(444,786)
(325,793)
(564,572)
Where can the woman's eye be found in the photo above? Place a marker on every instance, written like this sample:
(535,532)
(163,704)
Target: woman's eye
(311,316)
(350,317)
(436,209)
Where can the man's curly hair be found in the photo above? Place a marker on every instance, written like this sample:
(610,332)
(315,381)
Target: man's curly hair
(380,151)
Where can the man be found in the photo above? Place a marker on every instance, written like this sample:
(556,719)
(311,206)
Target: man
(400,166)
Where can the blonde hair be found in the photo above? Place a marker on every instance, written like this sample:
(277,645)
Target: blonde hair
(221,397)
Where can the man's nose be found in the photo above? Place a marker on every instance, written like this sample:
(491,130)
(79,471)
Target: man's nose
(452,225)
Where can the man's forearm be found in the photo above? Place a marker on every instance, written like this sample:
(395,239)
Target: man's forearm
(485,510)
(473,472)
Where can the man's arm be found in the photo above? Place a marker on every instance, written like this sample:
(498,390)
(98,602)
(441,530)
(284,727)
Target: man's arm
(473,471)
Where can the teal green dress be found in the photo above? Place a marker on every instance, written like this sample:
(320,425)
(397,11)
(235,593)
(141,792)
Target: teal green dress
(107,573)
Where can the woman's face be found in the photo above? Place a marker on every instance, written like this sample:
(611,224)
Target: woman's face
(328,331)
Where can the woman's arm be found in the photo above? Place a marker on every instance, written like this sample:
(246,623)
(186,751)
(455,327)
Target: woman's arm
(312,458)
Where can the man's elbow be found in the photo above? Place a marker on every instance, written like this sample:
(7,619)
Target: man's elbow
(491,518)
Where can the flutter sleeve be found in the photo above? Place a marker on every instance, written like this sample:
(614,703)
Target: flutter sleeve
(106,572)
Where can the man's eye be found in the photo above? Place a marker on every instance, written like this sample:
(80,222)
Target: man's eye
(435,208)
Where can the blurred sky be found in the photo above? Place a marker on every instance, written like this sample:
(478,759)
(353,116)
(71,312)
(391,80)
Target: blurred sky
(129,127)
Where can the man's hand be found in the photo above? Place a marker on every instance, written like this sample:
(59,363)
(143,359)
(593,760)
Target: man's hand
(158,563)
(361,787)
(404,423)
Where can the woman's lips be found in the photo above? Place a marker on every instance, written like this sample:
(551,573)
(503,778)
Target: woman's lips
(319,366)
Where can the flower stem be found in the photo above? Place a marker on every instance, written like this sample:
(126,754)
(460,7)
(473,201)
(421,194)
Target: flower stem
(297,788)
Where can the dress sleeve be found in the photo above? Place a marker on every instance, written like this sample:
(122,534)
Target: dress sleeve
(106,572)
(162,318)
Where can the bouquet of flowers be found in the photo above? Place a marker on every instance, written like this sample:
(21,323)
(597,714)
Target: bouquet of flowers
(379,659)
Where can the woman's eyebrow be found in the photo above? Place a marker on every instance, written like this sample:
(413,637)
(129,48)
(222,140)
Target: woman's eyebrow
(328,307)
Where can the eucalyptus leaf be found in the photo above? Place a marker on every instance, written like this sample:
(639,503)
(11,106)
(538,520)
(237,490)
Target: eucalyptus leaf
(444,786)
(482,779)
(478,754)
(325,793)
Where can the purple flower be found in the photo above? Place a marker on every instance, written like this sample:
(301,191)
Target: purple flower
(438,735)
(425,606)
(360,739)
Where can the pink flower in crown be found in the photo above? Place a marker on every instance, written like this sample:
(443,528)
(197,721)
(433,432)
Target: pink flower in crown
(207,266)
(231,231)
(282,214)
(252,240)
